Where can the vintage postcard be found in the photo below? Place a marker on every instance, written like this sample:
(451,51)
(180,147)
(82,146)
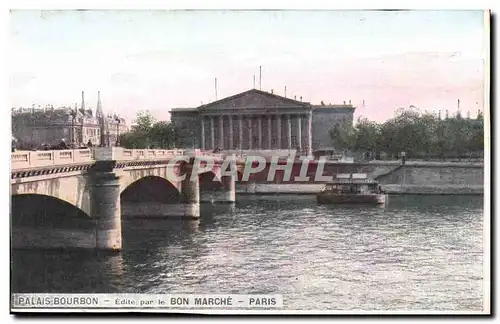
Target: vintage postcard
(250,161)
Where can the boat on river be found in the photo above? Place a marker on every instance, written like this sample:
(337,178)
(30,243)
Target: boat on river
(353,188)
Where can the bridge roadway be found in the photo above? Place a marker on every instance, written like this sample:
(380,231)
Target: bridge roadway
(93,180)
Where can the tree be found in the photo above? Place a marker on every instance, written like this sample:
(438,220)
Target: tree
(424,134)
(343,136)
(385,140)
(366,134)
(134,140)
(477,135)
(414,132)
(163,134)
(144,120)
(149,133)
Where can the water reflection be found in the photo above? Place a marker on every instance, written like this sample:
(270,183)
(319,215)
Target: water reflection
(67,271)
(418,252)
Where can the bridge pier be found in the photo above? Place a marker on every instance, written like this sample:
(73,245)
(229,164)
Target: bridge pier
(228,190)
(104,190)
(190,192)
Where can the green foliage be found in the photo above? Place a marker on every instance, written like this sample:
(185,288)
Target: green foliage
(416,133)
(343,136)
(144,121)
(365,134)
(163,134)
(149,133)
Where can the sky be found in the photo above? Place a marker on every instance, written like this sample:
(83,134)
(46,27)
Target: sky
(158,60)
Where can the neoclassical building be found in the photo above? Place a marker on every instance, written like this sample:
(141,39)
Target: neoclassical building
(258,120)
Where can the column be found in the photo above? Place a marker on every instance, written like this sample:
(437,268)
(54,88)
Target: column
(278,121)
(309,133)
(212,132)
(202,132)
(240,130)
(250,132)
(221,132)
(269,133)
(259,131)
(289,131)
(105,209)
(299,131)
(190,192)
(231,147)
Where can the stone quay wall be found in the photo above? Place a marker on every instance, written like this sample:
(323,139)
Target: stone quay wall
(411,178)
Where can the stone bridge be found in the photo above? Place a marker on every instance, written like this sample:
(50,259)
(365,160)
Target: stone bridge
(75,198)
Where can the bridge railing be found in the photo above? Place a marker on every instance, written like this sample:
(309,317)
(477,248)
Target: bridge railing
(146,154)
(122,154)
(33,159)
(128,154)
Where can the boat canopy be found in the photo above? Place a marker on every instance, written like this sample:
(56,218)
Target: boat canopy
(354,178)
(352,181)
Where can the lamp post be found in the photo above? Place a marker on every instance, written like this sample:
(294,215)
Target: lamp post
(117,119)
(73,117)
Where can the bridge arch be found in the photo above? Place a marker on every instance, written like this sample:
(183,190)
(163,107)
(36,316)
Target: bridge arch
(43,221)
(151,188)
(209,181)
(129,177)
(48,208)
(72,190)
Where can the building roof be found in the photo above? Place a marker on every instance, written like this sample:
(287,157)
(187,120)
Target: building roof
(259,98)
(183,109)
(249,95)
(334,106)
(260,92)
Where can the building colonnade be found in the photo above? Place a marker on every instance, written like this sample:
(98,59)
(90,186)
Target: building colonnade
(257,132)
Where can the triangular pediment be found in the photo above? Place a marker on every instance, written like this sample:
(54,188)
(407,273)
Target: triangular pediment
(253,99)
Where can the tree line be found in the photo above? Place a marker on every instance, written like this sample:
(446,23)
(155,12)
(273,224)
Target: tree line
(415,133)
(149,133)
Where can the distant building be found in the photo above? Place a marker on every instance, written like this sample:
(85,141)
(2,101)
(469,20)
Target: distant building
(116,126)
(258,120)
(33,127)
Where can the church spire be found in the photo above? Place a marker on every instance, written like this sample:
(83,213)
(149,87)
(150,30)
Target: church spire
(102,121)
(99,111)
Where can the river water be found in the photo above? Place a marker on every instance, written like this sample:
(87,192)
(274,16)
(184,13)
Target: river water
(417,253)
